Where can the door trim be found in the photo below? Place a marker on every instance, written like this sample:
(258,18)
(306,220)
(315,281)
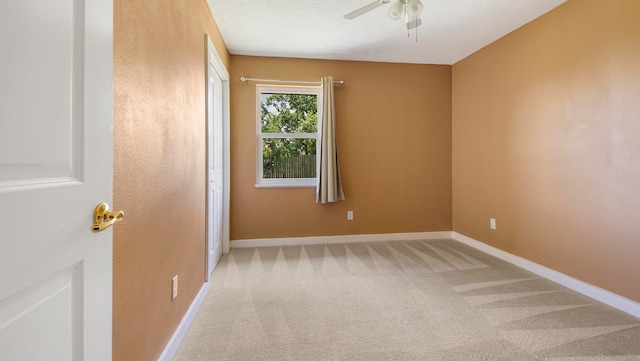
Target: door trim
(214,59)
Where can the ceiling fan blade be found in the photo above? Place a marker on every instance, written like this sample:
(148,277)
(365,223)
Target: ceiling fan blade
(412,24)
(365,9)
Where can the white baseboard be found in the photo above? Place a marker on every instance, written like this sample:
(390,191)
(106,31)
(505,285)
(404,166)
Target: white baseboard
(302,241)
(172,347)
(599,294)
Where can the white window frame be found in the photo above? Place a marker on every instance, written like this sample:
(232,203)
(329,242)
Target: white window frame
(262,182)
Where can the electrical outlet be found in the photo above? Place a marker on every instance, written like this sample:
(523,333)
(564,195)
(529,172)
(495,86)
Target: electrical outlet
(174,287)
(349,215)
(492,223)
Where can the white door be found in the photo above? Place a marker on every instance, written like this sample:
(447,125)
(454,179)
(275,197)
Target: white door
(215,166)
(55,168)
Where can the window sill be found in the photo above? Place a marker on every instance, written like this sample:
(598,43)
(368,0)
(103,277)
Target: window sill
(285,185)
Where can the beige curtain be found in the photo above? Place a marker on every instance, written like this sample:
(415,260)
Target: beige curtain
(329,187)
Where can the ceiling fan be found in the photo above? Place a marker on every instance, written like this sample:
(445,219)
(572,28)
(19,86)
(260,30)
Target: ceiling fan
(410,9)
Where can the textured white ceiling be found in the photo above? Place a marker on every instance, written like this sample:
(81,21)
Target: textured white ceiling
(450,31)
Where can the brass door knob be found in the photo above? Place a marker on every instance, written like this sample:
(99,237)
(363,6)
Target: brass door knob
(103,218)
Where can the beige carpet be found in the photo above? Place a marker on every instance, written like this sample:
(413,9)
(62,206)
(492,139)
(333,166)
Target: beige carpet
(419,300)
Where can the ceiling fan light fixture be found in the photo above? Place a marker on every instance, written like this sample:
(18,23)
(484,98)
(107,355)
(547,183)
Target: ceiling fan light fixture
(396,10)
(414,8)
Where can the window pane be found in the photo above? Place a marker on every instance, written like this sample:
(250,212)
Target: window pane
(289,158)
(289,113)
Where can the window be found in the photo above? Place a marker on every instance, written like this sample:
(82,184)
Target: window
(287,130)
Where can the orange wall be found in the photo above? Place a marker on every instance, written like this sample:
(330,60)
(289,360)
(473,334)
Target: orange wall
(546,139)
(159,168)
(394,144)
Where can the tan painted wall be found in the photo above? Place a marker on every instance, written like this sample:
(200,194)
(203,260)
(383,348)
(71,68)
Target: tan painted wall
(394,144)
(159,170)
(546,139)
